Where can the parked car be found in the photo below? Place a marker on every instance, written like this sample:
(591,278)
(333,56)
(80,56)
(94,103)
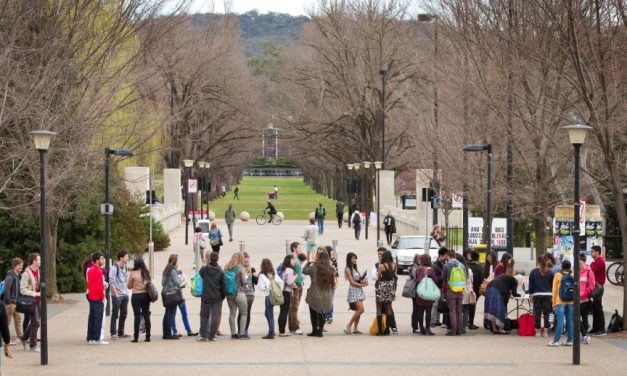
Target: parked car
(406,247)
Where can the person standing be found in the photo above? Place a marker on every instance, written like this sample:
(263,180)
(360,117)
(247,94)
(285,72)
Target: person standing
(297,291)
(200,241)
(438,266)
(215,237)
(351,209)
(236,193)
(6,334)
(436,233)
(389,226)
(477,280)
(249,290)
(586,286)
(339,212)
(598,268)
(319,215)
(311,239)
(385,292)
(540,291)
(563,309)
(213,293)
(505,266)
(356,220)
(138,281)
(183,310)
(423,307)
(236,274)
(319,293)
(96,286)
(229,218)
(11,291)
(454,298)
(170,281)
(29,285)
(118,281)
(356,296)
(288,279)
(267,273)
(276,192)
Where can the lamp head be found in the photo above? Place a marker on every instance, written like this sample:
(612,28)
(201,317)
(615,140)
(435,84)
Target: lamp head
(188,163)
(42,139)
(121,152)
(350,166)
(356,165)
(367,165)
(577,133)
(378,165)
(475,148)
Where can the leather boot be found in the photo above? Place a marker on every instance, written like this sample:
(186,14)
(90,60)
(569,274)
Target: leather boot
(380,325)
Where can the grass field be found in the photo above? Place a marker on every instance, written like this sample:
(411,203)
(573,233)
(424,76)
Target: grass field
(296,200)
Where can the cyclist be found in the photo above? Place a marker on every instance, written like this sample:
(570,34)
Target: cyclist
(271,211)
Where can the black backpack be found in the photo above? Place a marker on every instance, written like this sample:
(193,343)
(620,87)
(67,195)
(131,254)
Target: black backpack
(356,219)
(616,323)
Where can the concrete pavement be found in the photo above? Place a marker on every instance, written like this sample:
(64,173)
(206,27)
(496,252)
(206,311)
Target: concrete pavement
(477,353)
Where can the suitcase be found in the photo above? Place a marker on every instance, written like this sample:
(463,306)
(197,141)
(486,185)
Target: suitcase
(526,325)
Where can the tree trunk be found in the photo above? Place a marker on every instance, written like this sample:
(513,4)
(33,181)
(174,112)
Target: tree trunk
(621,213)
(539,227)
(52,222)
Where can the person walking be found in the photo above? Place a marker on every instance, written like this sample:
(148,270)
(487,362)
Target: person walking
(351,209)
(170,281)
(138,281)
(451,276)
(276,192)
(297,290)
(389,226)
(118,283)
(339,212)
(10,293)
(29,285)
(356,296)
(385,293)
(5,333)
(423,307)
(215,238)
(311,239)
(267,274)
(319,215)
(540,291)
(96,286)
(236,193)
(236,279)
(288,277)
(598,268)
(199,241)
(319,293)
(229,218)
(563,306)
(356,220)
(586,286)
(213,293)
(249,291)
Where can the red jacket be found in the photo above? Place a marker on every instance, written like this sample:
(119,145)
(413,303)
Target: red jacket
(95,284)
(598,268)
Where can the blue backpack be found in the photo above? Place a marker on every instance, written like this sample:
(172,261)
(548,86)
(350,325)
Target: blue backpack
(1,288)
(567,287)
(196,285)
(231,284)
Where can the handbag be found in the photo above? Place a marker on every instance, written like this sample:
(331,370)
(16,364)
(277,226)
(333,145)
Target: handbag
(172,297)
(442,306)
(484,285)
(25,304)
(153,294)
(374,328)
(201,243)
(597,293)
(427,290)
(409,289)
(217,242)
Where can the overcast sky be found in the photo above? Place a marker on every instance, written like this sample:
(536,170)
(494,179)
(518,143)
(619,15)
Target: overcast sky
(293,7)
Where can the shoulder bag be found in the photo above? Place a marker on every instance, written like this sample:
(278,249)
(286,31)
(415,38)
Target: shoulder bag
(409,289)
(25,304)
(172,297)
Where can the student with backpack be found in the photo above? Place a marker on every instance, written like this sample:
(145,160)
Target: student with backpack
(236,278)
(213,293)
(10,293)
(266,276)
(454,276)
(356,221)
(562,300)
(288,277)
(319,215)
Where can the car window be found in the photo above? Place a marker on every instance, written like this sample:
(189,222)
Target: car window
(411,243)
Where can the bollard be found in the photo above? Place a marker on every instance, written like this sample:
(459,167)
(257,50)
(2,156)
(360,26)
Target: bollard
(287,247)
(334,251)
(242,246)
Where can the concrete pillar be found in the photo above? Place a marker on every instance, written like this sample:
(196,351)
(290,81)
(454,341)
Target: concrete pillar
(424,216)
(172,194)
(386,190)
(137,181)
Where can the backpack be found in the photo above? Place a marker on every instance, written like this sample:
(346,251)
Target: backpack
(319,212)
(616,323)
(196,285)
(427,290)
(276,293)
(231,284)
(567,288)
(1,288)
(356,219)
(279,270)
(457,279)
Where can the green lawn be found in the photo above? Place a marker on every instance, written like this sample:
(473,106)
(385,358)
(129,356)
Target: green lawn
(296,200)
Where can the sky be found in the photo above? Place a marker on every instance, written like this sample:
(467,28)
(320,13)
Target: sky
(293,7)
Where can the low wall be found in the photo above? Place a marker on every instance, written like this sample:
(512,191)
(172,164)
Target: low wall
(168,215)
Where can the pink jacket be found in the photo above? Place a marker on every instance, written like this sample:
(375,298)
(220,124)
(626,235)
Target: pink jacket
(586,283)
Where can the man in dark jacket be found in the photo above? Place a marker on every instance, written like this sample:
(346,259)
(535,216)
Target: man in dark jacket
(477,280)
(351,209)
(438,265)
(213,293)
(339,212)
(11,291)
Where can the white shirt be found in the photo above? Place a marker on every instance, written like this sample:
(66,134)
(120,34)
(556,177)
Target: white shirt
(264,283)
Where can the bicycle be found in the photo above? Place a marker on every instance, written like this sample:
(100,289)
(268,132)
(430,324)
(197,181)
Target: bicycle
(264,217)
(616,273)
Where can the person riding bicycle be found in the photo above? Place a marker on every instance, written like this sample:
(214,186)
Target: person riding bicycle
(271,211)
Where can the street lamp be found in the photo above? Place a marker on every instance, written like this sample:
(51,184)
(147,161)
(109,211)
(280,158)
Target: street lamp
(350,183)
(207,186)
(188,164)
(42,142)
(577,135)
(378,165)
(488,148)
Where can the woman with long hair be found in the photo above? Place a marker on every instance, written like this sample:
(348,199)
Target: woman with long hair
(138,280)
(237,302)
(170,280)
(265,276)
(249,290)
(505,266)
(289,278)
(540,291)
(319,293)
(491,260)
(436,233)
(215,237)
(497,295)
(423,307)
(356,296)
(386,293)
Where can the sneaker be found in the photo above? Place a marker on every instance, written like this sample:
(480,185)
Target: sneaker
(114,336)
(569,343)
(91,342)
(212,339)
(35,349)
(244,336)
(284,334)
(598,334)
(202,339)
(553,344)
(102,343)
(298,332)
(585,339)
(394,331)
(124,336)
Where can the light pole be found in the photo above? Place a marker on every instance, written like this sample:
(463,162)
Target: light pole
(107,211)
(577,136)
(207,184)
(368,198)
(350,167)
(42,142)
(187,163)
(488,148)
(377,166)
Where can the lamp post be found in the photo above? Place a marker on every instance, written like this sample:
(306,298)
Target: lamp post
(207,185)
(488,148)
(368,198)
(187,163)
(577,136)
(377,166)
(42,142)
(107,211)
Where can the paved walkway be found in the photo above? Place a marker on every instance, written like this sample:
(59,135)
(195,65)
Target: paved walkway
(478,353)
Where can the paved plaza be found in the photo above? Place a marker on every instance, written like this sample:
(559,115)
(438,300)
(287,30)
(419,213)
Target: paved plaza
(478,353)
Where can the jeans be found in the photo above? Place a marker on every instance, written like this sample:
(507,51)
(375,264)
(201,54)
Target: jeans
(292,316)
(94,322)
(340,219)
(270,316)
(585,308)
(598,318)
(30,333)
(454,303)
(357,230)
(237,303)
(229,226)
(542,307)
(120,309)
(183,309)
(320,222)
(140,302)
(564,311)
(329,315)
(285,308)
(168,319)
(209,318)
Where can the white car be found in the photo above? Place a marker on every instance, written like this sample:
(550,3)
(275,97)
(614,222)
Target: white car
(406,247)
